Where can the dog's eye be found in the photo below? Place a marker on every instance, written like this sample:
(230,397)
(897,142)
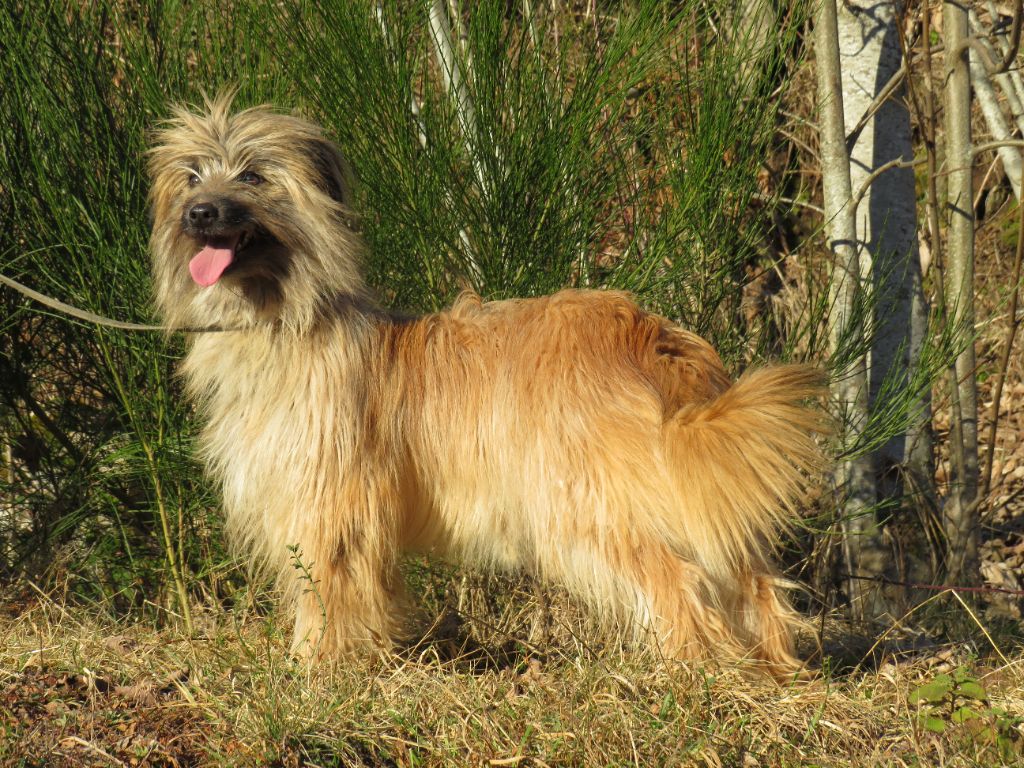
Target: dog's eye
(194,180)
(251,178)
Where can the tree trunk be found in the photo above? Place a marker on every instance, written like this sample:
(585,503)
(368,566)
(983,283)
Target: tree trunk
(960,517)
(1009,81)
(992,111)
(448,60)
(855,477)
(751,23)
(886,225)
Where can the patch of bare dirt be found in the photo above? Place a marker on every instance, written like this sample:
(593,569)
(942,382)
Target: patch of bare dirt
(58,719)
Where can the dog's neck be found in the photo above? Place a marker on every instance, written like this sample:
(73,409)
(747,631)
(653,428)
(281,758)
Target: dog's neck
(242,364)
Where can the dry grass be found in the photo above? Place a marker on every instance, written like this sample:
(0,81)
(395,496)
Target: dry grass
(79,689)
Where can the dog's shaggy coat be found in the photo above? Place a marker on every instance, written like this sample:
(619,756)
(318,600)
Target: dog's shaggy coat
(574,436)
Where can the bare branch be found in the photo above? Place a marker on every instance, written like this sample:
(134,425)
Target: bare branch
(990,145)
(1011,53)
(1009,81)
(976,44)
(883,96)
(873,176)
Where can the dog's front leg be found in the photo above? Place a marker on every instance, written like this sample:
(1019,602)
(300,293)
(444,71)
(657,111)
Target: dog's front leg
(352,594)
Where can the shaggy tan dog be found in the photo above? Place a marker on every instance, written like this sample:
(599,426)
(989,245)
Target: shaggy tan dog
(576,436)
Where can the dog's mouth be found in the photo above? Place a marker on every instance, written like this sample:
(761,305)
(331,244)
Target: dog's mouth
(218,254)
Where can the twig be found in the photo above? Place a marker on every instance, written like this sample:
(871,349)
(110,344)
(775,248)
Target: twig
(1011,52)
(927,121)
(984,180)
(930,120)
(46,597)
(90,746)
(790,201)
(907,54)
(935,587)
(873,176)
(896,624)
(975,43)
(1011,497)
(981,627)
(1009,81)
(942,591)
(996,145)
(883,96)
(1004,361)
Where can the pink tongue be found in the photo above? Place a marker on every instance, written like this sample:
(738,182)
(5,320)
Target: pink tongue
(209,264)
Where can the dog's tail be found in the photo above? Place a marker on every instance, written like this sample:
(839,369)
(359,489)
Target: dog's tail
(741,462)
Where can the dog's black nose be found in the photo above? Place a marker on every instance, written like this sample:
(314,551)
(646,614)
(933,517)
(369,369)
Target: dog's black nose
(203,214)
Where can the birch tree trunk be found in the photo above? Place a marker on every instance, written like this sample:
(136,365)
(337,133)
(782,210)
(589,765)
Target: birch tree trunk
(855,477)
(995,120)
(751,23)
(886,230)
(960,516)
(451,70)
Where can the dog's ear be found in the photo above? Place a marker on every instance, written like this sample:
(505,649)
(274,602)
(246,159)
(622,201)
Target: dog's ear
(333,171)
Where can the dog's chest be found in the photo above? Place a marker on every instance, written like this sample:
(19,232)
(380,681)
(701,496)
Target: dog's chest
(278,423)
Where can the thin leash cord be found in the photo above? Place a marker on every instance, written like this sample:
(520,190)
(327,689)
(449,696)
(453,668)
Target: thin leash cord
(92,317)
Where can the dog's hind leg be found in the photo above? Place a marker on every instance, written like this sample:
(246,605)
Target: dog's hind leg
(668,598)
(768,620)
(740,463)
(686,614)
(695,616)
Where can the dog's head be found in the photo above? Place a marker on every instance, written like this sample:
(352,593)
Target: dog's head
(251,219)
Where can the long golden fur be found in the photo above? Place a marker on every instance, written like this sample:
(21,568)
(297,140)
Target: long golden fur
(574,436)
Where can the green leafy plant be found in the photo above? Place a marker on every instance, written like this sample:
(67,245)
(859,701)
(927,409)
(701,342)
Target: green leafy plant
(100,480)
(305,575)
(958,702)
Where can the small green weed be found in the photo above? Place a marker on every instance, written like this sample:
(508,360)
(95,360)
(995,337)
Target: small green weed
(958,703)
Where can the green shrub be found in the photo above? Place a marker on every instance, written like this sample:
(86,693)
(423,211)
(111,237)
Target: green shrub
(619,153)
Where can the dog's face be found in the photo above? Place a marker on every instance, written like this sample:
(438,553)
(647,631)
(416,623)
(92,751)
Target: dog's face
(250,219)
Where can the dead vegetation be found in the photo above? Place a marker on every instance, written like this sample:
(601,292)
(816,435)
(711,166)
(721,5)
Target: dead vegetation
(82,689)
